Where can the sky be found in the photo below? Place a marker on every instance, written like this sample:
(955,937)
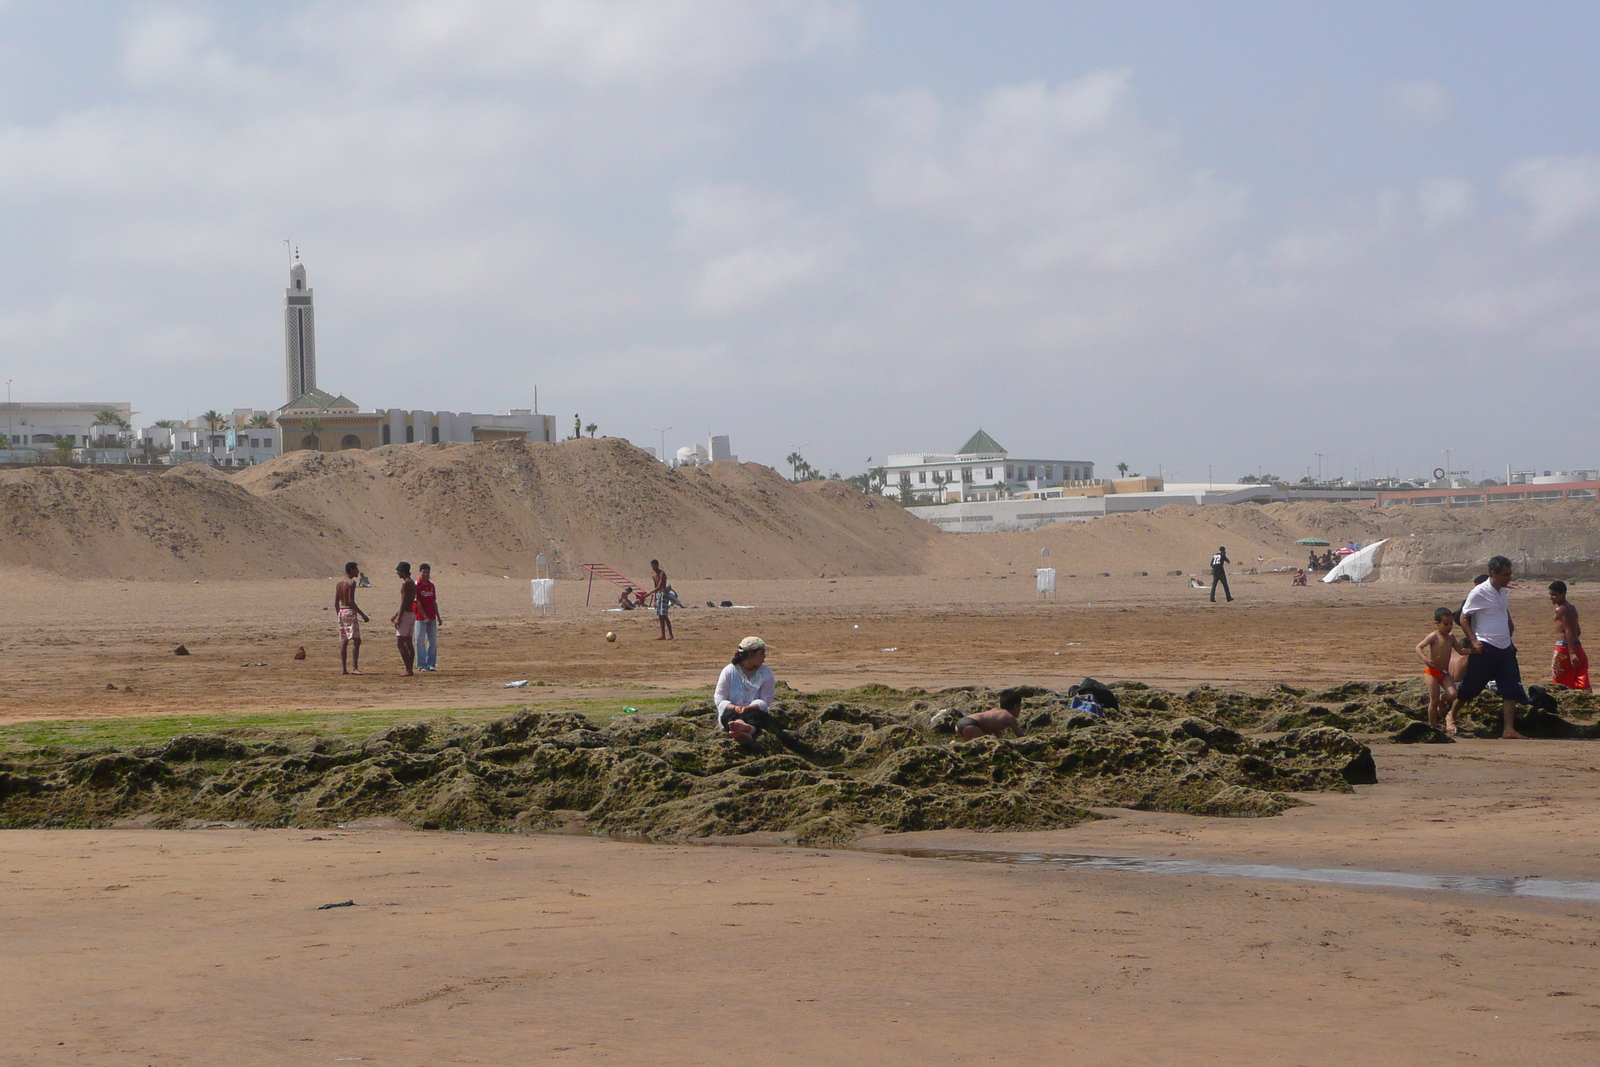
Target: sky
(1203,239)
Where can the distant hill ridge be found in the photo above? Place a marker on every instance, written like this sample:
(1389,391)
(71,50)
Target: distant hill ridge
(490,508)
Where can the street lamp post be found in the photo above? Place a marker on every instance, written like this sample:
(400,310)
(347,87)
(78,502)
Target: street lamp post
(662,430)
(1319,456)
(9,442)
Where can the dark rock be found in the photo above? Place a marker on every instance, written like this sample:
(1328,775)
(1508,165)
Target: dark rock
(1420,733)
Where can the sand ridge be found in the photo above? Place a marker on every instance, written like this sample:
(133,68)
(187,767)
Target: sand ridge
(492,508)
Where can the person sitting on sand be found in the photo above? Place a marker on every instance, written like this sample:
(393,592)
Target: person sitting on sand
(1299,578)
(745,692)
(626,601)
(1435,651)
(995,721)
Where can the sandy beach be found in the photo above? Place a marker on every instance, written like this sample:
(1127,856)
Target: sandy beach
(79,637)
(167,947)
(147,946)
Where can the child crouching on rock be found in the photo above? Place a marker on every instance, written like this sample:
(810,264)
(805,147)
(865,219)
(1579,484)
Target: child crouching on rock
(993,722)
(745,691)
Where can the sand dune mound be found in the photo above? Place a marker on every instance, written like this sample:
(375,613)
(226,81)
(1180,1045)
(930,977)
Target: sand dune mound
(482,507)
(494,507)
(1558,539)
(191,522)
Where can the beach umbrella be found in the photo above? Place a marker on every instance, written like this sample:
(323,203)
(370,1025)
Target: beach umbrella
(1312,541)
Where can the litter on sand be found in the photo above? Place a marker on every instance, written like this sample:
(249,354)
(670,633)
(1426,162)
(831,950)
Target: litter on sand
(517,685)
(339,904)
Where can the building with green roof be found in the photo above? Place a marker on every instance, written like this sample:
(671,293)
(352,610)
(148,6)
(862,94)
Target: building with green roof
(981,469)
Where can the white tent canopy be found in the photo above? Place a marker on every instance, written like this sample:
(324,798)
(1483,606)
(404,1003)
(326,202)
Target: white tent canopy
(1357,566)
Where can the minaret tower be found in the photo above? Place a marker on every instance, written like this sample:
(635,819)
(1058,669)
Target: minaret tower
(299,333)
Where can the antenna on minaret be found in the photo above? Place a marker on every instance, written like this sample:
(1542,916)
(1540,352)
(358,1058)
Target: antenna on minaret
(286,250)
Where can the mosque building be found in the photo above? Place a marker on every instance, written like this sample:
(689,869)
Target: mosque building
(319,421)
(299,333)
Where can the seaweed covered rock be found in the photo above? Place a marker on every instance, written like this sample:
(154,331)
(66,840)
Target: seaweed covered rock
(831,769)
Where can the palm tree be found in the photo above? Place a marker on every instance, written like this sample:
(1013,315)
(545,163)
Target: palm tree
(592,427)
(165,424)
(214,420)
(795,461)
(64,449)
(1122,469)
(107,417)
(261,421)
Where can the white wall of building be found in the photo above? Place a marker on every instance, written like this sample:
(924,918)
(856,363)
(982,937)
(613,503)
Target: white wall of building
(439,427)
(36,426)
(952,476)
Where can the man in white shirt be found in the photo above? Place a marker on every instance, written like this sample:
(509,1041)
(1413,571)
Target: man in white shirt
(1486,621)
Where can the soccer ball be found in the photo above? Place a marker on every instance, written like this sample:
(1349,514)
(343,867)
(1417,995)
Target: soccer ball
(611,636)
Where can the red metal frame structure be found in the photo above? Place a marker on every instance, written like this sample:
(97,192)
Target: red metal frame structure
(1476,496)
(616,578)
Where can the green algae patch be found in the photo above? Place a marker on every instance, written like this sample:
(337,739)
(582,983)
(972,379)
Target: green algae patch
(836,765)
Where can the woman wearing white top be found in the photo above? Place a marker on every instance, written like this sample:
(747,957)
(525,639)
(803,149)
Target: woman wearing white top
(744,691)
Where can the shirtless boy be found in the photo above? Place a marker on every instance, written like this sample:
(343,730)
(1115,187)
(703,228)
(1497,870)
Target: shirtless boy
(995,721)
(344,602)
(405,619)
(663,604)
(1570,666)
(1435,651)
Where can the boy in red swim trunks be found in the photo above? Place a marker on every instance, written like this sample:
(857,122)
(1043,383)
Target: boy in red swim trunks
(1570,666)
(1434,651)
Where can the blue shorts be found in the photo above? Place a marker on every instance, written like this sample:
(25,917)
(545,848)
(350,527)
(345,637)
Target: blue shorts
(1497,665)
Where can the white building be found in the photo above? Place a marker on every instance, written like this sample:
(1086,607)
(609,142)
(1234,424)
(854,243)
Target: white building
(38,426)
(716,449)
(240,440)
(979,470)
(299,333)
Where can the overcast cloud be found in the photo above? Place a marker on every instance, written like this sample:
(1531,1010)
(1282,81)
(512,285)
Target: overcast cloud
(1182,241)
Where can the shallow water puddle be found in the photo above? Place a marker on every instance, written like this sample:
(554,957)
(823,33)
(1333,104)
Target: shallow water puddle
(1454,883)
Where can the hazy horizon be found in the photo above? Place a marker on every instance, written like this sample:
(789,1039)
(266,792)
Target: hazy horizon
(1174,235)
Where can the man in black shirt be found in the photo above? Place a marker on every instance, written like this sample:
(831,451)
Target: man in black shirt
(1219,573)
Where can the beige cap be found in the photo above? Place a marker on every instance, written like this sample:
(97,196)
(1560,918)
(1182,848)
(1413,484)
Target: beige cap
(752,644)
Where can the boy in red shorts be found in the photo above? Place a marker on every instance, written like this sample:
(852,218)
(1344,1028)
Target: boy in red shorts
(1434,651)
(1570,665)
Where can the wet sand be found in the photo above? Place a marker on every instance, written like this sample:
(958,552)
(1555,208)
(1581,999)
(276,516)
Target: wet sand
(207,946)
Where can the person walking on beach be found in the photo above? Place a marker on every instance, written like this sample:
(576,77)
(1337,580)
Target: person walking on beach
(1219,574)
(1486,620)
(425,632)
(1570,665)
(1435,651)
(350,618)
(405,619)
(663,601)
